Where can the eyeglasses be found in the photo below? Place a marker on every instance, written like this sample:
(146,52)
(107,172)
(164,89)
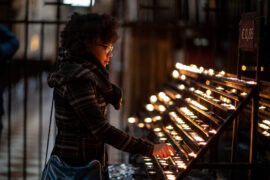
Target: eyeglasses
(107,48)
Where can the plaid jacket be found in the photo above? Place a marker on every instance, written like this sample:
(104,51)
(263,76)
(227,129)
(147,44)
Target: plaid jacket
(81,93)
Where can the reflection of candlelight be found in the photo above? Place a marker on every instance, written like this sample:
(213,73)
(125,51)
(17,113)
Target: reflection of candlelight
(243,94)
(168,172)
(219,88)
(212,131)
(157,118)
(169,127)
(178,138)
(266,133)
(262,107)
(173,133)
(175,74)
(147,159)
(195,103)
(192,154)
(131,120)
(170,177)
(216,100)
(153,99)
(233,90)
(157,130)
(148,120)
(163,139)
(180,121)
(192,89)
(251,82)
(151,172)
(150,107)
(160,134)
(208,92)
(148,163)
(202,143)
(266,122)
(263,126)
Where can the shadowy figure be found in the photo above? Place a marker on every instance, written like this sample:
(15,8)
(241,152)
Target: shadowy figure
(8,46)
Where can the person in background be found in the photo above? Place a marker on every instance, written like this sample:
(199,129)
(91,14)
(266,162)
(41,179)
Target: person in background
(8,46)
(82,91)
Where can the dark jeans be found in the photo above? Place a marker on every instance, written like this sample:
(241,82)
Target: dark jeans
(1,110)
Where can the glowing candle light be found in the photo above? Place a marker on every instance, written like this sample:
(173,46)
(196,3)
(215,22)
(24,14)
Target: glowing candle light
(233,90)
(170,177)
(148,163)
(161,95)
(168,172)
(141,125)
(157,118)
(153,99)
(222,73)
(243,94)
(157,130)
(203,143)
(192,89)
(166,99)
(160,134)
(131,120)
(198,92)
(178,96)
(212,131)
(220,88)
(266,122)
(163,139)
(169,127)
(192,154)
(181,87)
(201,69)
(211,72)
(148,120)
(263,126)
(175,74)
(147,159)
(173,133)
(151,172)
(149,107)
(195,103)
(178,138)
(266,133)
(208,92)
(183,77)
(161,108)
(262,107)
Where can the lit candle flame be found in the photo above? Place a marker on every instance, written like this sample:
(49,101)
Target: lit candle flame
(150,107)
(153,99)
(141,125)
(131,120)
(148,120)
(175,74)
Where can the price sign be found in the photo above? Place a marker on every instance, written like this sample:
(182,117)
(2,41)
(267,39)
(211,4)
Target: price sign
(247,33)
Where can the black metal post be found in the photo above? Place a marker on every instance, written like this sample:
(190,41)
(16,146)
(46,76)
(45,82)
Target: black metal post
(255,100)
(40,100)
(25,92)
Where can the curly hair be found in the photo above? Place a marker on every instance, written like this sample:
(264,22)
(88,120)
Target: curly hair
(85,29)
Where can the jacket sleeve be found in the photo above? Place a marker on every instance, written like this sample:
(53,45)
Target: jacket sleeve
(82,97)
(9,43)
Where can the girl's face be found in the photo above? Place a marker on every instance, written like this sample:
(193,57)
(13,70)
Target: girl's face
(103,52)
